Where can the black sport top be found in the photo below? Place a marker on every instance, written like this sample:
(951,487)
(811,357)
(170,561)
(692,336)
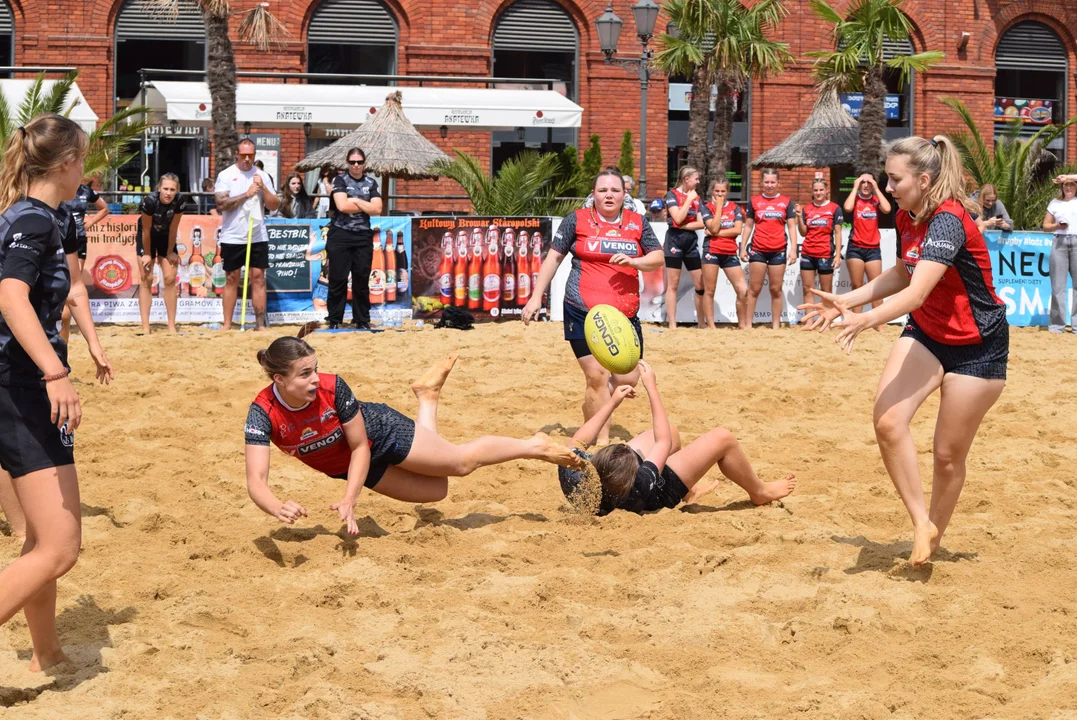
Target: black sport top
(162,214)
(34,241)
(365,188)
(651,489)
(84,199)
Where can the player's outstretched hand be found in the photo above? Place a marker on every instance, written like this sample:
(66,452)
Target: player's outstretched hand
(346,510)
(820,315)
(289,512)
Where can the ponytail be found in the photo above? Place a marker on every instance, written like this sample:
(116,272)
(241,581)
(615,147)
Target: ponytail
(35,151)
(278,358)
(940,160)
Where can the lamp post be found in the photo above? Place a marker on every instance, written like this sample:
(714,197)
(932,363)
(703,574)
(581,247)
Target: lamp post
(645,13)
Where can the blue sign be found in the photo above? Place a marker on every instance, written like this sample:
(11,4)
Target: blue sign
(1020,262)
(852,102)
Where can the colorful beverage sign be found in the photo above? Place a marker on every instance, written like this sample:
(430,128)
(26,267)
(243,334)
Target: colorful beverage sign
(1029,112)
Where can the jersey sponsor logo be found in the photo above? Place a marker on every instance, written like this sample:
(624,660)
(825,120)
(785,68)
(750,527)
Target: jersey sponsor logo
(252,430)
(941,244)
(708,256)
(624,247)
(869,214)
(613,232)
(67,439)
(329,412)
(773,215)
(819,221)
(632,226)
(308,433)
(913,253)
(322,443)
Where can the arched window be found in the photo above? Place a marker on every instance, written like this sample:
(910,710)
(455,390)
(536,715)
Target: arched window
(535,39)
(147,39)
(1030,79)
(352,36)
(7,35)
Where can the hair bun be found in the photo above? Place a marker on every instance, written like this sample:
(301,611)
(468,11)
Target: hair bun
(261,357)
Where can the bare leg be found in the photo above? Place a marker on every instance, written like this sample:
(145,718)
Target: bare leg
(428,389)
(171,293)
(874,269)
(435,456)
(911,374)
(9,501)
(856,276)
(50,499)
(757,272)
(643,442)
(807,281)
(697,284)
(826,282)
(145,296)
(719,446)
(740,286)
(258,298)
(965,402)
(673,279)
(710,282)
(229,297)
(775,277)
(596,394)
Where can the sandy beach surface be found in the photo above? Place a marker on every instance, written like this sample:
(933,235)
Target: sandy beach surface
(188,602)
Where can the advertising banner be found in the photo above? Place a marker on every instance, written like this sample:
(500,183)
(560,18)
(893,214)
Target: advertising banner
(1030,112)
(485,265)
(1020,262)
(853,102)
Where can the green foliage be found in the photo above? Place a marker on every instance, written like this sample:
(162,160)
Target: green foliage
(526,185)
(592,158)
(109,144)
(626,163)
(1015,166)
(859,38)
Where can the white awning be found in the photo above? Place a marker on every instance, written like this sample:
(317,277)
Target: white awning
(348,106)
(15,90)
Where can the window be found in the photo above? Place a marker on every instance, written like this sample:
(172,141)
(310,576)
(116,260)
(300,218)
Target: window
(351,37)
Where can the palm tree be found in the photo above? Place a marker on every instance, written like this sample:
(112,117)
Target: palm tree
(858,64)
(109,144)
(1014,168)
(526,185)
(724,44)
(258,28)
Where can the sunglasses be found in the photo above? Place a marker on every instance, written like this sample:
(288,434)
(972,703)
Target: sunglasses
(357,163)
(246,156)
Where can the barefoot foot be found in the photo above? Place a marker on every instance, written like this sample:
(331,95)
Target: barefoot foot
(700,489)
(45,661)
(923,537)
(546,449)
(429,383)
(775,490)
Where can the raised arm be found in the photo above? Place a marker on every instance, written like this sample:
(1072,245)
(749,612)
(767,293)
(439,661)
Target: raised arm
(588,432)
(663,436)
(257,433)
(850,201)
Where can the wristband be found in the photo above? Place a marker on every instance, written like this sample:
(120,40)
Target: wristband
(57,376)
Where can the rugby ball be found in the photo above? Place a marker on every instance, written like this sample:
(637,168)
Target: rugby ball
(612,339)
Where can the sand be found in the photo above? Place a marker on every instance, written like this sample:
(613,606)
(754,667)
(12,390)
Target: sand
(188,602)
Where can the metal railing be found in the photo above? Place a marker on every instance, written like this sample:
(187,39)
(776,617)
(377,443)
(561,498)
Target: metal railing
(378,79)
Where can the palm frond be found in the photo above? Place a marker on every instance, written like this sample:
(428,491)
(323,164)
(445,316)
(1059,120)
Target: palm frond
(110,146)
(826,13)
(262,30)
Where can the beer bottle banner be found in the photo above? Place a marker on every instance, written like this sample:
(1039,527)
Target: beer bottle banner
(485,265)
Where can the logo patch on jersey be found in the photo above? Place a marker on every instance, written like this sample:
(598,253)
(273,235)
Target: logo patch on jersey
(631,226)
(869,215)
(913,253)
(67,439)
(773,215)
(308,433)
(321,444)
(252,430)
(613,232)
(329,412)
(819,222)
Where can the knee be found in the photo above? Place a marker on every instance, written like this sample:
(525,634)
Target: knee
(61,558)
(675,438)
(258,277)
(775,291)
(170,280)
(233,277)
(947,457)
(597,379)
(888,427)
(721,439)
(742,292)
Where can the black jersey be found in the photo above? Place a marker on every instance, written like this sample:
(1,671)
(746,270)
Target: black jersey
(162,214)
(84,199)
(34,242)
(365,188)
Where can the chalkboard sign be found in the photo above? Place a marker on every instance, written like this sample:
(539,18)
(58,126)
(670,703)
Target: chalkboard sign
(289,271)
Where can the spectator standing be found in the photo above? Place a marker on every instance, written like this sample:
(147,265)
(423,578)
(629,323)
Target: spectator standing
(207,205)
(658,211)
(350,242)
(993,214)
(243,192)
(294,200)
(1061,219)
(630,188)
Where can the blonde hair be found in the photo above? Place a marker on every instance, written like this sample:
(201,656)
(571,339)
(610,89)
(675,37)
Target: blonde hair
(37,150)
(716,182)
(1062,189)
(686,172)
(939,159)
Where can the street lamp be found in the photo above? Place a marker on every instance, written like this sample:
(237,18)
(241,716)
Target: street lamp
(247,128)
(645,13)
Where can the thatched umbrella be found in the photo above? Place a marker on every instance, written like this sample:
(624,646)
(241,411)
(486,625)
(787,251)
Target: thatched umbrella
(392,145)
(829,137)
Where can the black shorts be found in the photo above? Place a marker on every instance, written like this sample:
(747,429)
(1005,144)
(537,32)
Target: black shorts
(30,440)
(855,252)
(722,261)
(391,434)
(768,258)
(672,491)
(81,247)
(682,247)
(823,266)
(158,246)
(574,320)
(985,360)
(235,255)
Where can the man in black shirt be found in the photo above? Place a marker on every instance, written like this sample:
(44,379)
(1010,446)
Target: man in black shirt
(349,245)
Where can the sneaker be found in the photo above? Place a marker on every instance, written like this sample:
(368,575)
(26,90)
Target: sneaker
(334,326)
(362,326)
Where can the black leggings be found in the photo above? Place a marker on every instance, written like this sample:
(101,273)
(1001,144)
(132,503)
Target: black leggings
(349,254)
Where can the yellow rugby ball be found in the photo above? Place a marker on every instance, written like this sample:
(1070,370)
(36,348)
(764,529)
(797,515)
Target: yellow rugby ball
(612,339)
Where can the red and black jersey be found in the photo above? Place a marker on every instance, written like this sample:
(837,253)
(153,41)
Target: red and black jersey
(821,221)
(731,214)
(770,215)
(312,433)
(865,232)
(592,242)
(963,308)
(676,198)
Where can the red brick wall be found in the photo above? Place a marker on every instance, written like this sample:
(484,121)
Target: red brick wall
(81,34)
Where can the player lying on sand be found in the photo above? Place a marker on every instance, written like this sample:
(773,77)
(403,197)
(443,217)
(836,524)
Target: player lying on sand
(652,470)
(315,417)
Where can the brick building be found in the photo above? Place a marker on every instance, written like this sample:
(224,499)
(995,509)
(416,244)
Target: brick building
(1020,50)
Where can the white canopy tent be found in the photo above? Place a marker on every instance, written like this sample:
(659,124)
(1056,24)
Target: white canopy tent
(283,105)
(15,91)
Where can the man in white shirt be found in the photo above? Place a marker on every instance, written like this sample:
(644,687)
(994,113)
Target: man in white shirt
(243,193)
